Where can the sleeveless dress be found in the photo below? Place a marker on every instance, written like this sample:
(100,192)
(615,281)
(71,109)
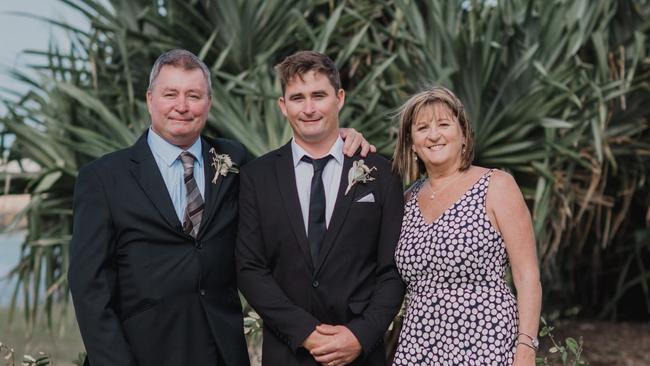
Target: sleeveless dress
(460,310)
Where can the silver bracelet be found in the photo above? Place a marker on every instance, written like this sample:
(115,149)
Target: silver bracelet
(527,345)
(534,341)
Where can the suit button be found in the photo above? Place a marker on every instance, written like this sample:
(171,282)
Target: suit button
(198,245)
(202,292)
(315,284)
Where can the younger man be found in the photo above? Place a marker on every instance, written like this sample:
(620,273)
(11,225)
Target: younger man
(317,232)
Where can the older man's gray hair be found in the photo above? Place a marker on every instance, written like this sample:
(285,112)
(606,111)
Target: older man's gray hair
(179,58)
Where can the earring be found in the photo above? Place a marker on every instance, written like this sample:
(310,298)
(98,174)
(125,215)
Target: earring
(462,151)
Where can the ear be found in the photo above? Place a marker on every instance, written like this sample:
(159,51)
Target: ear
(209,100)
(340,96)
(149,100)
(282,105)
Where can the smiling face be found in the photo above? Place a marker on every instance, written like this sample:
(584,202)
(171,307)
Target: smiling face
(178,103)
(437,137)
(311,104)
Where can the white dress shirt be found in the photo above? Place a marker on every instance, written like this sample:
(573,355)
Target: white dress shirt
(171,168)
(331,179)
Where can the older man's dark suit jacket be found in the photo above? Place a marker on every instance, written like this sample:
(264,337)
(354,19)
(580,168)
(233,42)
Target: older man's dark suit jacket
(144,292)
(354,281)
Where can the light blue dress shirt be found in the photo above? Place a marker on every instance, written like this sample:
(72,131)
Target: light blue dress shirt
(331,179)
(167,157)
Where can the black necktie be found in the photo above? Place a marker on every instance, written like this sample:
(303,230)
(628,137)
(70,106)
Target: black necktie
(316,226)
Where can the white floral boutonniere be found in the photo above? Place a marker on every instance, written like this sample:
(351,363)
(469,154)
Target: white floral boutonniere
(222,165)
(359,173)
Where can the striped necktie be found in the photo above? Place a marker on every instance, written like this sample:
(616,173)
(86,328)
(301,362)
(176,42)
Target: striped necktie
(194,202)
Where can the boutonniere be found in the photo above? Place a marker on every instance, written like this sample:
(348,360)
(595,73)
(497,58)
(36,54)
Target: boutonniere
(222,165)
(359,173)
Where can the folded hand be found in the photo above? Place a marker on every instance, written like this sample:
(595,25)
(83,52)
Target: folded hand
(340,346)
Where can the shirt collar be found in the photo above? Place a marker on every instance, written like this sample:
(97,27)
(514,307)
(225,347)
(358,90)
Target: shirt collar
(336,151)
(169,152)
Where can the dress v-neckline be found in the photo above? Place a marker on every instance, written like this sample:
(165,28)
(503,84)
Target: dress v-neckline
(462,196)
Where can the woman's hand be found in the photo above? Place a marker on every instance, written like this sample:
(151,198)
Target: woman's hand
(524,356)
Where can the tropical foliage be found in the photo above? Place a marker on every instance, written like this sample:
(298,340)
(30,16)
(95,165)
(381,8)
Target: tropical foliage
(8,355)
(557,92)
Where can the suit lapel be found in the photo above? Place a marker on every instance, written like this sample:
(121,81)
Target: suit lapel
(147,175)
(341,208)
(212,191)
(286,177)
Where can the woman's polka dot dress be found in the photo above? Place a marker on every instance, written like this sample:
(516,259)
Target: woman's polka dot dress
(460,310)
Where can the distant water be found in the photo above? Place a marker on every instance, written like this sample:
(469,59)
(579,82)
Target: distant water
(9,254)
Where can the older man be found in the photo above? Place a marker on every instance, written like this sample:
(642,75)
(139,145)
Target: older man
(151,271)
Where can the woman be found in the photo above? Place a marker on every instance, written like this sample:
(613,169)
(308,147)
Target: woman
(462,225)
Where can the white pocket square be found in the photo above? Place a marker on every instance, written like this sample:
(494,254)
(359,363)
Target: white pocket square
(367,198)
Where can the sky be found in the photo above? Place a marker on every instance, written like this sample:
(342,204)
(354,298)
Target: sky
(18,33)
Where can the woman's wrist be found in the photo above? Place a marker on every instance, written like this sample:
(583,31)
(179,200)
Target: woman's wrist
(527,340)
(524,346)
